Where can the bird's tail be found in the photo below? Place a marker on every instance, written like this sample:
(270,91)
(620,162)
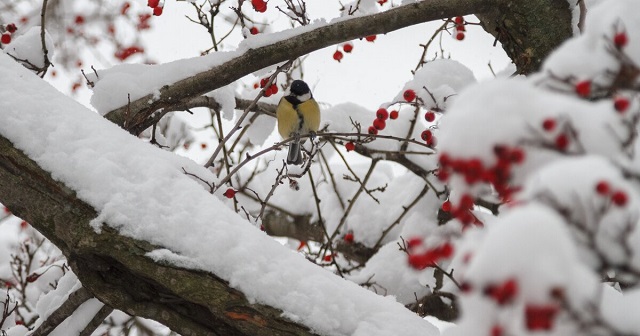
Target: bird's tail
(295,154)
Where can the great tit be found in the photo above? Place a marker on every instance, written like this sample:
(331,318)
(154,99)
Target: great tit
(298,114)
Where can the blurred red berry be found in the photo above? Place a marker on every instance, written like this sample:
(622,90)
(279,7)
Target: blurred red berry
(603,188)
(6,38)
(583,88)
(562,141)
(11,28)
(348,238)
(619,198)
(621,104)
(446,206)
(620,40)
(549,124)
(79,19)
(540,317)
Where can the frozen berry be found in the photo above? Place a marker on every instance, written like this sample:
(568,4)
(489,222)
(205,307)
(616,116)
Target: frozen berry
(338,55)
(349,146)
(430,116)
(230,193)
(382,114)
(583,88)
(409,95)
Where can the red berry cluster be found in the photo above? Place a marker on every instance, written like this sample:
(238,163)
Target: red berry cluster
(463,211)
(271,90)
(422,258)
(260,6)
(9,30)
(458,31)
(618,197)
(230,193)
(562,140)
(123,54)
(474,171)
(379,123)
(338,55)
(502,293)
(155,5)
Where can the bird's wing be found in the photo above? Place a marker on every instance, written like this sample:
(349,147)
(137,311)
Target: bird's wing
(287,118)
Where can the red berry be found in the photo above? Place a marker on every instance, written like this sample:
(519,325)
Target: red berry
(393,115)
(259,5)
(583,88)
(230,193)
(347,47)
(414,242)
(381,2)
(372,130)
(379,124)
(460,36)
(517,155)
(461,28)
(79,19)
(350,146)
(337,55)
(466,202)
(11,28)
(254,31)
(458,20)
(619,198)
(603,188)
(446,206)
(426,135)
(382,114)
(153,3)
(540,317)
(620,40)
(6,38)
(125,8)
(446,250)
(443,175)
(158,11)
(327,258)
(348,238)
(503,293)
(430,116)
(370,38)
(621,104)
(264,82)
(497,330)
(273,89)
(466,287)
(549,124)
(409,95)
(562,142)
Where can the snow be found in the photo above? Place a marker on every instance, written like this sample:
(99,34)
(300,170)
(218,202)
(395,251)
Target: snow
(28,47)
(143,193)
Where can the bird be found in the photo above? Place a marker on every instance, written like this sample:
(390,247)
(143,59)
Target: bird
(298,114)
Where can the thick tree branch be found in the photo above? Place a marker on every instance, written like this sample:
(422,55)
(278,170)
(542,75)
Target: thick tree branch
(281,51)
(115,269)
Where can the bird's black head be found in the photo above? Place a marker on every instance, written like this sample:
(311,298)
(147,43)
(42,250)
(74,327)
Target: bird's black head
(299,88)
